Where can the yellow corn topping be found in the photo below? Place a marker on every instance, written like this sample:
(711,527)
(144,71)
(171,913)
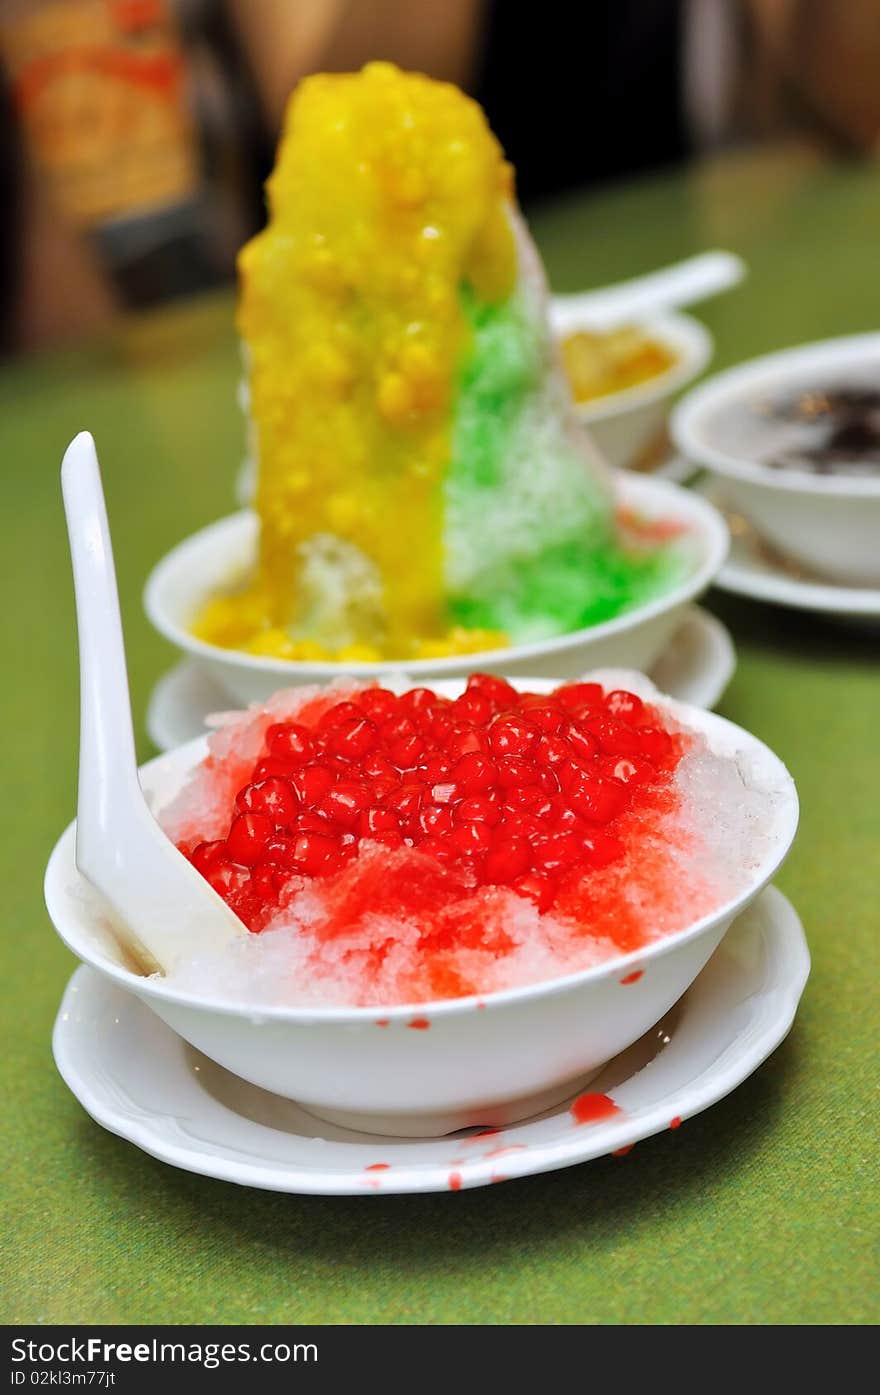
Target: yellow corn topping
(389,192)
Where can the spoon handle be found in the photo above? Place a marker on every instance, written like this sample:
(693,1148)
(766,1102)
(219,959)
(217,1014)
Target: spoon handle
(161,907)
(686,283)
(107,760)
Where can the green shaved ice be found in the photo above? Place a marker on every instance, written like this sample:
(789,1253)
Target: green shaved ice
(530,539)
(567,589)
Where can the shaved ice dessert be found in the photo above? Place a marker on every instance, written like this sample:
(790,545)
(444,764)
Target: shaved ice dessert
(423,487)
(386,849)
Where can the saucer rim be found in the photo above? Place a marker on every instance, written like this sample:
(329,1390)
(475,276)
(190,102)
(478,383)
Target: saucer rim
(738,577)
(784,942)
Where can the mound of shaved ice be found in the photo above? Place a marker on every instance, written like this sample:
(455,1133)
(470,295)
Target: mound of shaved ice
(396,926)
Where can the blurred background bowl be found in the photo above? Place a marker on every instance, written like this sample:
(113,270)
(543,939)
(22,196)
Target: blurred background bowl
(626,424)
(828,522)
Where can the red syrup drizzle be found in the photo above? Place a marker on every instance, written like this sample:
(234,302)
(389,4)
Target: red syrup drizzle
(593,1108)
(413,808)
(633,977)
(455,1181)
(419,1024)
(377,1167)
(676,1122)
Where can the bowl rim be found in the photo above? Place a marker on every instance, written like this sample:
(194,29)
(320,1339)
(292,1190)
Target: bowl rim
(723,388)
(57,895)
(703,521)
(688,336)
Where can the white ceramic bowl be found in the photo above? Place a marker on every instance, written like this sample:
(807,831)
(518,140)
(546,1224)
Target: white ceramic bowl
(201,565)
(624,424)
(480,1061)
(830,523)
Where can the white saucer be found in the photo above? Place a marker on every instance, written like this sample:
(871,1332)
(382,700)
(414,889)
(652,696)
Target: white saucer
(756,570)
(696,668)
(140,1080)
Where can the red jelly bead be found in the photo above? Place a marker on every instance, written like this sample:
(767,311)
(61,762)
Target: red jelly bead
(279,850)
(266,882)
(207,855)
(474,773)
(551,750)
(613,737)
(248,837)
(344,803)
(338,713)
(377,820)
(478,808)
(580,697)
(275,798)
(389,838)
(597,800)
(514,771)
(546,715)
(582,744)
(548,780)
(507,859)
(440,727)
(626,707)
(406,802)
(375,766)
(416,701)
(533,887)
(500,693)
(290,742)
(271,769)
(445,792)
(471,839)
(227,879)
(379,704)
(434,769)
(466,741)
(313,852)
(435,820)
(655,745)
(524,797)
(512,736)
(474,707)
(353,739)
(629,772)
(312,783)
(406,751)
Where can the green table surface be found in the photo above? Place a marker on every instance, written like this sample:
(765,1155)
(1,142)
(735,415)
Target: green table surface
(759,1210)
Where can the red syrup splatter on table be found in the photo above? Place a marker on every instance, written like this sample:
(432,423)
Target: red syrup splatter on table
(593,1108)
(633,977)
(422,810)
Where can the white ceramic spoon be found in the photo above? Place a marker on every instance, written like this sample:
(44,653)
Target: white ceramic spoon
(685,283)
(161,908)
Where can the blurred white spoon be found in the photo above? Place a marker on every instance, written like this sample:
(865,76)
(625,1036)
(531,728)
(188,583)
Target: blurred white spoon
(162,908)
(626,302)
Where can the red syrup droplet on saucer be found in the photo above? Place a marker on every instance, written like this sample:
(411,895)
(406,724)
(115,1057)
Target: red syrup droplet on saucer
(592,1108)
